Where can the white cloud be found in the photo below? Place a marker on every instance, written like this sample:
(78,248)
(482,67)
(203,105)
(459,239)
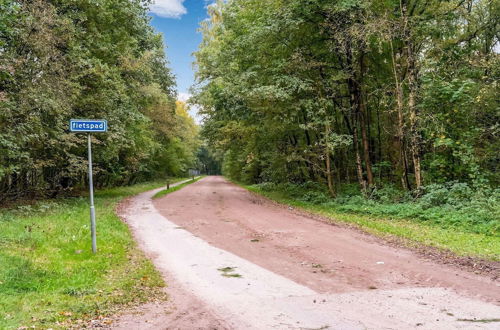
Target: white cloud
(184,97)
(168,8)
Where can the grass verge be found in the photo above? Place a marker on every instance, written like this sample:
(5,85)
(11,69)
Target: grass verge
(175,188)
(414,233)
(49,277)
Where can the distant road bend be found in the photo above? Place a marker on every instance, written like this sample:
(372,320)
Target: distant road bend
(237,261)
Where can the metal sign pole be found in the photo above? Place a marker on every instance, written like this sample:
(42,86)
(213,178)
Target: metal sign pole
(92,209)
(90,126)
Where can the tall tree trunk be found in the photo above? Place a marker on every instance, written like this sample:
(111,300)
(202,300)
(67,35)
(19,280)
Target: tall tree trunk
(366,145)
(412,72)
(413,111)
(379,140)
(329,175)
(356,103)
(363,120)
(355,139)
(403,162)
(359,165)
(308,141)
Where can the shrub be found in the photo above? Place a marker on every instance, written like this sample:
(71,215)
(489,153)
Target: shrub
(266,186)
(315,197)
(389,194)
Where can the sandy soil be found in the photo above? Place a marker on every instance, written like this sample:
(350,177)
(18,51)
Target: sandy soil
(326,258)
(234,260)
(183,310)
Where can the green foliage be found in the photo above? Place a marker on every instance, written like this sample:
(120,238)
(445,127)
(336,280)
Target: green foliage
(341,92)
(85,59)
(315,197)
(208,162)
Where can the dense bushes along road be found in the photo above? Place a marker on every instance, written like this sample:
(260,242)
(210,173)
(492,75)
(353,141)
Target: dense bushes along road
(64,59)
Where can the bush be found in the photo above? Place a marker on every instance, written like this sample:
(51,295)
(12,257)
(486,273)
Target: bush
(266,186)
(315,197)
(452,193)
(390,194)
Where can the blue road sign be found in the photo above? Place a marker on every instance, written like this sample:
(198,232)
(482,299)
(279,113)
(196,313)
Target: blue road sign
(88,125)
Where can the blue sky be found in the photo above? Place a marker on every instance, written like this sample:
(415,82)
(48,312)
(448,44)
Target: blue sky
(178,21)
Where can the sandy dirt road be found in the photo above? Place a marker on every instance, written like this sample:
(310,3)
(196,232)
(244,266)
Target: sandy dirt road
(246,263)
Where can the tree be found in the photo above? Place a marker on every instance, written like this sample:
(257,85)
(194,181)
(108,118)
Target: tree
(63,59)
(329,91)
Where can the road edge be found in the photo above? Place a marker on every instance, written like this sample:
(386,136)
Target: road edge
(442,256)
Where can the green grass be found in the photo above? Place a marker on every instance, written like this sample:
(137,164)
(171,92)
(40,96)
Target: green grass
(175,188)
(48,276)
(462,243)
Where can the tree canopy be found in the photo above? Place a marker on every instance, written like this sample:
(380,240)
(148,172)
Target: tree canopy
(362,91)
(63,59)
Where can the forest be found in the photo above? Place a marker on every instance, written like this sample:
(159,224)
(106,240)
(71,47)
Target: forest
(393,100)
(64,59)
(358,140)
(350,102)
